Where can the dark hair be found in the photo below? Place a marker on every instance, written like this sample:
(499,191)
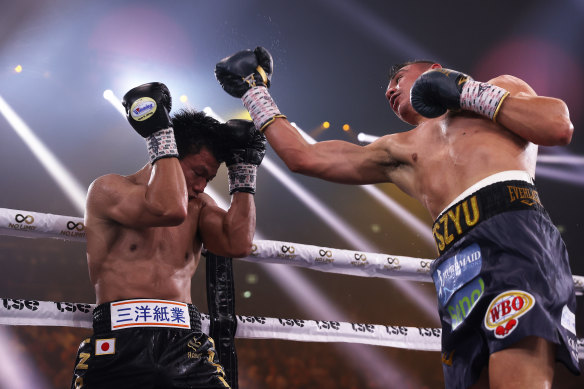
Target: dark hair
(194,130)
(396,68)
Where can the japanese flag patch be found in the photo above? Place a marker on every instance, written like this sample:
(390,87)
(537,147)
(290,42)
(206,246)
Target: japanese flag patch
(105,346)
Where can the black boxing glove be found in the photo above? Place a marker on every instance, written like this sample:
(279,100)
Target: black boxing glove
(147,110)
(246,75)
(244,70)
(439,90)
(246,150)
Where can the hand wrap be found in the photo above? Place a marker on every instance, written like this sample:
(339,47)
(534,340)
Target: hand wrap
(482,98)
(242,177)
(161,144)
(262,108)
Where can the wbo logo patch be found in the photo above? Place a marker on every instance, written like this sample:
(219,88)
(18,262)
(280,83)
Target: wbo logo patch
(504,312)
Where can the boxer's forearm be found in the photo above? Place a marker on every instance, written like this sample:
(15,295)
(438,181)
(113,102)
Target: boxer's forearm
(541,120)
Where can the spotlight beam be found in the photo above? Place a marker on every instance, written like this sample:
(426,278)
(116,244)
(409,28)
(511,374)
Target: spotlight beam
(379,29)
(17,371)
(68,184)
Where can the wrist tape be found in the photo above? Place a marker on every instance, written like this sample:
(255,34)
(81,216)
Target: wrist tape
(242,177)
(262,108)
(161,144)
(482,98)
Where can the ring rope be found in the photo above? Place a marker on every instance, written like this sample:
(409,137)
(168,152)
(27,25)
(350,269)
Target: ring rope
(28,224)
(47,313)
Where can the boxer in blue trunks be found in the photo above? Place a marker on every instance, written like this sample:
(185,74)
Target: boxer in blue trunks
(145,232)
(501,256)
(466,134)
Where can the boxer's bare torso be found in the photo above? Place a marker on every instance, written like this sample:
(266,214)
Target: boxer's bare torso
(135,250)
(442,157)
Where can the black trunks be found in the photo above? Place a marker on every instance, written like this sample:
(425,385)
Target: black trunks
(155,344)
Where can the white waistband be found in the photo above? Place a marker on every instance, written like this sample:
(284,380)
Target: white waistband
(149,313)
(508,175)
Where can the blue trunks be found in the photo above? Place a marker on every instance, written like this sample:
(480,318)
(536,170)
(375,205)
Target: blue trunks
(503,274)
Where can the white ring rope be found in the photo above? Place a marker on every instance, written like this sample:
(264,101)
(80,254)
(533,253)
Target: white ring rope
(28,224)
(46,313)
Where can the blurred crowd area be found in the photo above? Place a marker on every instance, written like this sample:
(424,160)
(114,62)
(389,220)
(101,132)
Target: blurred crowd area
(266,364)
(274,364)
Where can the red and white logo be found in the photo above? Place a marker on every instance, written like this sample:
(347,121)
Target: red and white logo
(105,346)
(506,309)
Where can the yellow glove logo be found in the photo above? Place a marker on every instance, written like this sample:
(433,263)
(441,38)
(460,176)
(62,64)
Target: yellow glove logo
(143,108)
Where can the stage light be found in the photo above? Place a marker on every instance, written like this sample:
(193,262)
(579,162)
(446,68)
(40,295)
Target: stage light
(109,95)
(346,127)
(326,125)
(209,112)
(365,138)
(18,69)
(251,278)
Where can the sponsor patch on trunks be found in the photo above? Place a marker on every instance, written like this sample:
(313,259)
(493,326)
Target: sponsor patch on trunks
(464,300)
(568,320)
(149,313)
(456,271)
(504,312)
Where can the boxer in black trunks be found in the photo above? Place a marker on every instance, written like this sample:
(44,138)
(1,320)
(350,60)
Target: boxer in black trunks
(145,232)
(467,136)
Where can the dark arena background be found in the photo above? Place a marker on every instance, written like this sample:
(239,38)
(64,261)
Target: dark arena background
(331,59)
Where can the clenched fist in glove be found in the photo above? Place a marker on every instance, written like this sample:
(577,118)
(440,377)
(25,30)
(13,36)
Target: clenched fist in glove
(247,74)
(439,90)
(246,150)
(147,107)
